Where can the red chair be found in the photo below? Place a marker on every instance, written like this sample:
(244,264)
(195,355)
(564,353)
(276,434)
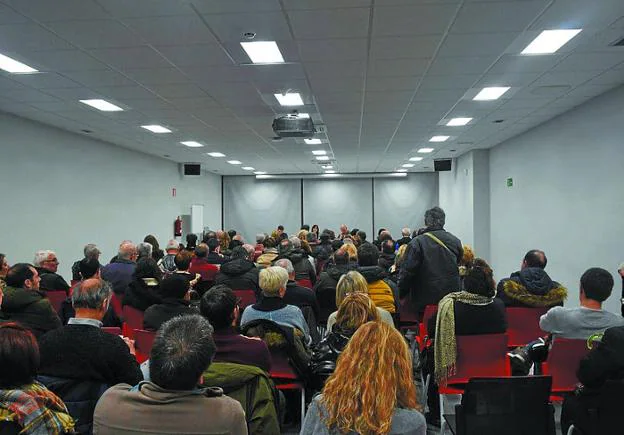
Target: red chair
(132,320)
(285,377)
(115,330)
(143,342)
(407,317)
(207,271)
(116,304)
(305,283)
(56,298)
(247,297)
(523,325)
(563,361)
(430,311)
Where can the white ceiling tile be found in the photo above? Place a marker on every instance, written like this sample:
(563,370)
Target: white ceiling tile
(406,83)
(145,8)
(324,4)
(275,72)
(10,16)
(268,26)
(476,44)
(572,79)
(612,77)
(125,92)
(509,16)
(441,95)
(17,38)
(131,57)
(327,50)
(579,14)
(172,30)
(45,11)
(336,23)
(525,64)
(177,90)
(397,67)
(509,79)
(157,76)
(46,80)
(404,46)
(321,86)
(354,68)
(212,76)
(461,65)
(423,19)
(235,6)
(27,95)
(96,33)
(97,78)
(456,81)
(590,61)
(195,55)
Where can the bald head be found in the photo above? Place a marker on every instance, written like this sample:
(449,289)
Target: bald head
(127,251)
(91,295)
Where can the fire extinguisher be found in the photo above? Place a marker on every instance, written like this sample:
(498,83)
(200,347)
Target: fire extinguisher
(177,227)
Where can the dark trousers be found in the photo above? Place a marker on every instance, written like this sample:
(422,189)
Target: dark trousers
(577,410)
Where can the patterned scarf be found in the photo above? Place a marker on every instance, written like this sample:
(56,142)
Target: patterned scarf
(445,345)
(36,409)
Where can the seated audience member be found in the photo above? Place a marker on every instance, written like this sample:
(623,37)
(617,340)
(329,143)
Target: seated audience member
(167,263)
(213,256)
(25,402)
(80,353)
(220,306)
(224,240)
(209,235)
(90,251)
(299,259)
(355,310)
(157,253)
(382,235)
(4,266)
(183,264)
(25,304)
(325,287)
(387,255)
(405,237)
(344,232)
(531,286)
(354,282)
(144,250)
(240,273)
(324,249)
(143,290)
(270,252)
(295,294)
(578,323)
(372,389)
(259,248)
(381,290)
(273,281)
(191,242)
(174,292)
(119,272)
(237,240)
(202,267)
(315,230)
(46,264)
(361,236)
(172,402)
(398,259)
(603,363)
(351,250)
(87,268)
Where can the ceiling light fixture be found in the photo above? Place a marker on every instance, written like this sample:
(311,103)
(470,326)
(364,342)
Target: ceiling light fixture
(327,167)
(102,105)
(322,158)
(425,150)
(216,154)
(408,165)
(234,162)
(330,172)
(192,144)
(263,51)
(155,128)
(401,170)
(313,141)
(415,159)
(549,41)
(11,65)
(457,122)
(260,173)
(289,99)
(491,93)
(319,152)
(439,139)
(248,168)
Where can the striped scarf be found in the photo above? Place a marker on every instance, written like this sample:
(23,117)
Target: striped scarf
(37,410)
(445,345)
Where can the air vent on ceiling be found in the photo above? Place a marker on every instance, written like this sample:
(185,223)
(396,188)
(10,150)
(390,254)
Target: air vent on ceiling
(618,43)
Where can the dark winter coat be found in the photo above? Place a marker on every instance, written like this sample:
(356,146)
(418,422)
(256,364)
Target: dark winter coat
(301,264)
(51,281)
(119,274)
(158,314)
(605,362)
(142,293)
(386,260)
(531,287)
(325,354)
(29,308)
(325,289)
(239,274)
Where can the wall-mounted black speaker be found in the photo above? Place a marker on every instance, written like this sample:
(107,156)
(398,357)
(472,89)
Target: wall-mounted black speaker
(442,165)
(192,169)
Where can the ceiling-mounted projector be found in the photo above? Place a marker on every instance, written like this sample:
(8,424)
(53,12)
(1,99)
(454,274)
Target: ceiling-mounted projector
(293,125)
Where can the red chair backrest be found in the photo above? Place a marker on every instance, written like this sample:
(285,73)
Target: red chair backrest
(56,298)
(305,283)
(406,313)
(207,271)
(248,297)
(480,356)
(133,320)
(116,304)
(430,311)
(115,330)
(523,325)
(143,342)
(563,361)
(280,367)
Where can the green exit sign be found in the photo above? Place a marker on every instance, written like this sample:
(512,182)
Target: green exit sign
(510,182)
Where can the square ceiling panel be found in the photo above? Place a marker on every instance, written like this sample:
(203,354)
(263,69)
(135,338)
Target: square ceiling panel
(176,30)
(333,50)
(268,26)
(96,33)
(404,46)
(48,11)
(131,57)
(426,19)
(336,23)
(509,16)
(195,55)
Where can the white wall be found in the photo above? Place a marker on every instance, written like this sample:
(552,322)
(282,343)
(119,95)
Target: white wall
(61,190)
(567,197)
(456,198)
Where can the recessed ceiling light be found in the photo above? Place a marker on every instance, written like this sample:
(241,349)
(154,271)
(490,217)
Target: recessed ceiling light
(248,168)
(319,152)
(401,170)
(439,139)
(549,41)
(313,141)
(322,158)
(491,93)
(260,173)
(192,144)
(11,65)
(156,128)
(289,99)
(408,165)
(327,167)
(102,105)
(216,154)
(415,159)
(263,51)
(234,162)
(425,150)
(456,122)
(330,172)
(330,175)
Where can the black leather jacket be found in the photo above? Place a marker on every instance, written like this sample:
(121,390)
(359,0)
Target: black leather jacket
(325,355)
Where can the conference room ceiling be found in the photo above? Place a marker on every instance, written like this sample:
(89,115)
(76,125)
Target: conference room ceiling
(383,76)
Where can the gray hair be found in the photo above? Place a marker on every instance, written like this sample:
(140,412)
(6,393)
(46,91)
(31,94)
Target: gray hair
(260,238)
(172,244)
(41,256)
(91,293)
(126,250)
(251,250)
(406,232)
(91,251)
(145,250)
(435,218)
(285,263)
(296,241)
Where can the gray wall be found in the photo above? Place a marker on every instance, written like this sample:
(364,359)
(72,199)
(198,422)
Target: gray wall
(61,190)
(252,206)
(567,197)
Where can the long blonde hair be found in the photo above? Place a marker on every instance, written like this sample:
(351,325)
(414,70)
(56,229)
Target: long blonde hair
(373,376)
(350,282)
(355,310)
